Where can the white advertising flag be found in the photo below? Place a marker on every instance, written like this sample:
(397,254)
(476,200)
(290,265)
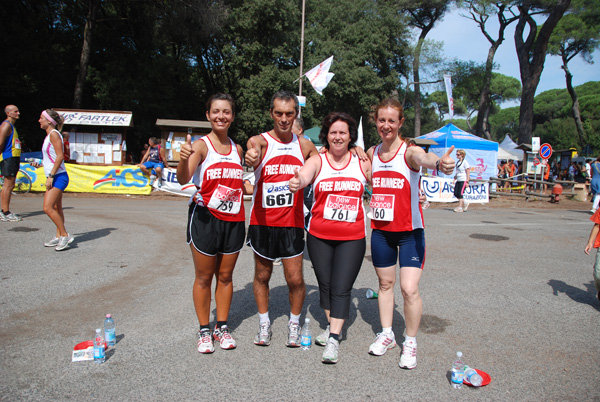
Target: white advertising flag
(448,82)
(319,76)
(360,141)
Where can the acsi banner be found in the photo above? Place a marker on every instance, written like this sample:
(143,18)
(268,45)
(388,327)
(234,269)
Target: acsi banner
(438,189)
(96,179)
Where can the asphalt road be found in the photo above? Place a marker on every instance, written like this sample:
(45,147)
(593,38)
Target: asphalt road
(510,288)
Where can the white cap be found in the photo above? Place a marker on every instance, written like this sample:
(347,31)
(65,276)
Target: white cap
(98,330)
(459,354)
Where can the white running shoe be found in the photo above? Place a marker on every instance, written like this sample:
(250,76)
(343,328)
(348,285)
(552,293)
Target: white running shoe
(458,209)
(293,335)
(11,217)
(205,343)
(323,337)
(408,360)
(63,242)
(224,338)
(263,337)
(466,207)
(52,243)
(382,343)
(330,354)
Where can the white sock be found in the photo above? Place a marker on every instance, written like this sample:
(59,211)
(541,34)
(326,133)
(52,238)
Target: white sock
(410,339)
(262,318)
(294,318)
(596,201)
(387,331)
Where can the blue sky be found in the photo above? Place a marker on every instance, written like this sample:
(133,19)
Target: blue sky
(463,40)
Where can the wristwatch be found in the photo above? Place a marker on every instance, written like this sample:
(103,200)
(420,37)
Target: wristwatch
(50,175)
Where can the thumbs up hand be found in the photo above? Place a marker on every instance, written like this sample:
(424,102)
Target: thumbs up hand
(186,149)
(252,155)
(446,163)
(295,181)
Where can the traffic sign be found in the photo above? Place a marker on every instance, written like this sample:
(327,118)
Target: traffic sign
(545,151)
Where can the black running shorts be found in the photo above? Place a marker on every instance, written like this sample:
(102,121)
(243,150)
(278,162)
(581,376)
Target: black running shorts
(10,167)
(276,242)
(212,236)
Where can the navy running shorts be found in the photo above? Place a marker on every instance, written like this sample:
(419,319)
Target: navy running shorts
(407,247)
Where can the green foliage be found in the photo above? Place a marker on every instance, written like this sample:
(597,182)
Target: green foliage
(163,59)
(552,118)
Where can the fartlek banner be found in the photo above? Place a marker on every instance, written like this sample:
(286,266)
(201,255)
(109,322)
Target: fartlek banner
(127,179)
(439,189)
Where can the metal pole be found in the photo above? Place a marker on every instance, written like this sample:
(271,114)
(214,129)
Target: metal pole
(301,48)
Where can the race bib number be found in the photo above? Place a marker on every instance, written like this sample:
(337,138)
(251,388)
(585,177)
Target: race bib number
(226,200)
(382,207)
(277,195)
(17,144)
(340,208)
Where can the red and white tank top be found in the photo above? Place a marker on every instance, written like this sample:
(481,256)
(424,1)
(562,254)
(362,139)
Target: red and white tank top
(273,204)
(219,179)
(337,211)
(395,201)
(49,155)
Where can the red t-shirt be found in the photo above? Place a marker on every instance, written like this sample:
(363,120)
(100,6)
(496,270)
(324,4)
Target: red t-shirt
(596,219)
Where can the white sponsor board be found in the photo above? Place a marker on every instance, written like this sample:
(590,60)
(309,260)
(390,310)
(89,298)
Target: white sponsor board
(438,189)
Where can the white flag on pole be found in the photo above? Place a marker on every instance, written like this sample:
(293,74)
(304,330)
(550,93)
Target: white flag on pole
(448,82)
(319,76)
(360,141)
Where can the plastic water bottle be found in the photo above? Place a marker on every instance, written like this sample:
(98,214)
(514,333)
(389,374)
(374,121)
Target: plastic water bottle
(109,331)
(473,377)
(99,352)
(458,371)
(306,335)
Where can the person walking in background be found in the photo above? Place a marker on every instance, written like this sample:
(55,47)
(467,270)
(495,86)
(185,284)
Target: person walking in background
(397,225)
(154,161)
(66,146)
(57,178)
(216,228)
(277,220)
(10,160)
(594,242)
(336,230)
(461,180)
(595,184)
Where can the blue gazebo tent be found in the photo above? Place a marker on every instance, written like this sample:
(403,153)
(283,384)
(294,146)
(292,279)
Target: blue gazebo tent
(481,153)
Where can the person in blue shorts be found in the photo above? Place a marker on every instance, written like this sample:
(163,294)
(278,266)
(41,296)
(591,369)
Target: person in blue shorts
(154,161)
(57,178)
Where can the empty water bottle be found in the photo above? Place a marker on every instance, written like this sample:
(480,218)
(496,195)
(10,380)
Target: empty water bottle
(109,331)
(458,371)
(99,352)
(306,335)
(473,377)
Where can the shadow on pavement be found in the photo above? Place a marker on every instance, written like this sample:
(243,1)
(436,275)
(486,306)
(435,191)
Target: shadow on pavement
(576,294)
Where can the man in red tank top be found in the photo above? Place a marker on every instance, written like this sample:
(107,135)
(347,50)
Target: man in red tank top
(277,221)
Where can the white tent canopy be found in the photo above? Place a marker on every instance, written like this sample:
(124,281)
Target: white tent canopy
(507,149)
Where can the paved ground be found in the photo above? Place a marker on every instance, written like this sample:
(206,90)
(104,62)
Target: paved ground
(508,286)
